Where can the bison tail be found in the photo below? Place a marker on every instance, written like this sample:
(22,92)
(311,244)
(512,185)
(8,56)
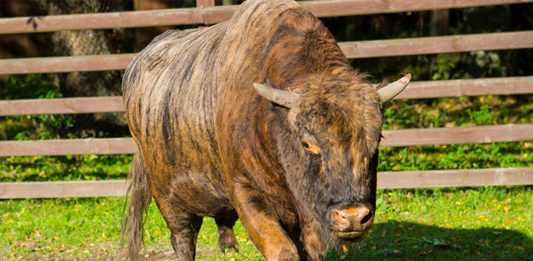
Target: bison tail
(139,198)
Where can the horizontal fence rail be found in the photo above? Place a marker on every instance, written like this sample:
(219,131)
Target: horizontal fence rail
(386,180)
(216,14)
(61,106)
(68,147)
(455,178)
(391,138)
(438,44)
(363,49)
(458,135)
(65,64)
(468,87)
(63,189)
(415,90)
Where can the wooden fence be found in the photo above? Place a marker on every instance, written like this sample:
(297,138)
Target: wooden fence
(207,13)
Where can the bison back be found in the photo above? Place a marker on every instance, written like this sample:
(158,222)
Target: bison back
(170,95)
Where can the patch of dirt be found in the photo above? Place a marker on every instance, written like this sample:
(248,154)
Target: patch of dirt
(109,251)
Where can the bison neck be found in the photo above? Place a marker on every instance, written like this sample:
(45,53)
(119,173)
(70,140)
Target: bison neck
(280,44)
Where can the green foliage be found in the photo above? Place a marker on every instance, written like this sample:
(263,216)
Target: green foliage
(39,127)
(29,87)
(29,127)
(444,65)
(465,156)
(64,168)
(458,112)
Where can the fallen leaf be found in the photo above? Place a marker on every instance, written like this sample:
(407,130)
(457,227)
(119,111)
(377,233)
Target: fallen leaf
(507,208)
(425,252)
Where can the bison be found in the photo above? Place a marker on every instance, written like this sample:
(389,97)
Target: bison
(259,118)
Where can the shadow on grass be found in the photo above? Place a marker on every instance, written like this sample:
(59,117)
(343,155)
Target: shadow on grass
(410,241)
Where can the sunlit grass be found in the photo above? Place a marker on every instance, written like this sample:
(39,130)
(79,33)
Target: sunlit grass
(464,224)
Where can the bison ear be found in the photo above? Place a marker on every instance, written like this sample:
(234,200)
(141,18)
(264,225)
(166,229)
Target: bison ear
(280,97)
(390,90)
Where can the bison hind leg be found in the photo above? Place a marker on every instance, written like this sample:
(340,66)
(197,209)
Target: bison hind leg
(184,229)
(226,237)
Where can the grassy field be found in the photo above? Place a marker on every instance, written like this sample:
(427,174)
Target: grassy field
(489,223)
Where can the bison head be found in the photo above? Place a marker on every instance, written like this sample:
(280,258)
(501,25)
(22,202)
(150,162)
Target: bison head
(327,138)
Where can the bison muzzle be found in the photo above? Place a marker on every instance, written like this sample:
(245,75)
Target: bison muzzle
(259,118)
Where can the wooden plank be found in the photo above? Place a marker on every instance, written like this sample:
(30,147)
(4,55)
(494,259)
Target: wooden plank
(365,7)
(65,64)
(161,17)
(458,135)
(468,87)
(386,180)
(216,14)
(408,137)
(365,49)
(455,178)
(68,147)
(416,90)
(438,44)
(61,106)
(63,189)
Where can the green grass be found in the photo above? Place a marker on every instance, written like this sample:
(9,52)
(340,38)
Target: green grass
(490,223)
(462,224)
(90,229)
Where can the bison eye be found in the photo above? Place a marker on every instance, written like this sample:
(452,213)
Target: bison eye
(309,146)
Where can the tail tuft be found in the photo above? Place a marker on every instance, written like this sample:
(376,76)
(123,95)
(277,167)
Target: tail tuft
(139,198)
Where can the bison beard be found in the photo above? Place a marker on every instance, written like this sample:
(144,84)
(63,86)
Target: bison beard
(259,118)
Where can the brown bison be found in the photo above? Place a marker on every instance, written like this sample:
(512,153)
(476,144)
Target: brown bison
(259,118)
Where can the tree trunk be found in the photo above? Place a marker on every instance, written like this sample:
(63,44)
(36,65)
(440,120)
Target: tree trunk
(89,42)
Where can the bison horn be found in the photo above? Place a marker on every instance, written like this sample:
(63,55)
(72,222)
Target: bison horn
(280,97)
(390,90)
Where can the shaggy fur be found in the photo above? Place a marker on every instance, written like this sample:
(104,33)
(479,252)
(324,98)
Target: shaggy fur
(138,190)
(209,145)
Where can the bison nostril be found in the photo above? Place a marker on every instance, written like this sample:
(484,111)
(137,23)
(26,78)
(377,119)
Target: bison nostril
(366,218)
(352,218)
(340,217)
(352,221)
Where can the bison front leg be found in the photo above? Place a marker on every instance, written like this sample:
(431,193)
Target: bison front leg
(262,227)
(226,237)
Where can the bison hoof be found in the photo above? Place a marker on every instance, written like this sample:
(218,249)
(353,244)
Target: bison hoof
(227,240)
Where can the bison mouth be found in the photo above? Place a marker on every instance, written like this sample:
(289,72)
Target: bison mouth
(349,234)
(351,221)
